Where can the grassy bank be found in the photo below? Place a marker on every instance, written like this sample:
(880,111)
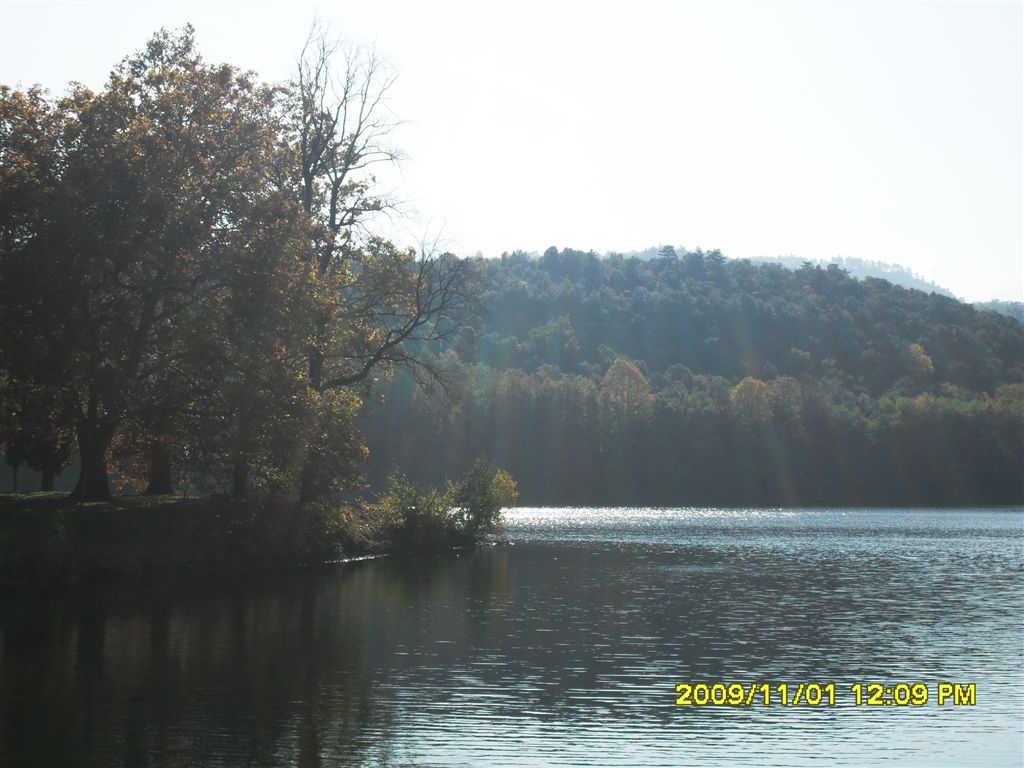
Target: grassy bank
(46,537)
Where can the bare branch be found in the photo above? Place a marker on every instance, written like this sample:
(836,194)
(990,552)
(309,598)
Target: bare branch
(438,299)
(342,125)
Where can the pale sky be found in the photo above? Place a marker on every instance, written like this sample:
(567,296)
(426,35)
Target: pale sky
(881,130)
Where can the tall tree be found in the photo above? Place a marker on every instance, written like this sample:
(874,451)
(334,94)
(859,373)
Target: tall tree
(151,173)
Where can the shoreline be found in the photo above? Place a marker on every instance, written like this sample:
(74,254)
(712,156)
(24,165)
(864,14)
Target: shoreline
(48,538)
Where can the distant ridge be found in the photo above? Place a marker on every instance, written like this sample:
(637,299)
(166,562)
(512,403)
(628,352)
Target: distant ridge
(858,268)
(1014,309)
(862,268)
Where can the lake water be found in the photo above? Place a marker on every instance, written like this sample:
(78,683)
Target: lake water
(562,648)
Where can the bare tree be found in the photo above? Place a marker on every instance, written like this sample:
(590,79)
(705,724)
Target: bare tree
(380,306)
(343,125)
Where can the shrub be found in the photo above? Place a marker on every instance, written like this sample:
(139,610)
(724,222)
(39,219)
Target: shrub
(478,499)
(461,515)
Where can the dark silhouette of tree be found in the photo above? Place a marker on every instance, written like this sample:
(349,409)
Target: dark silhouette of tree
(143,181)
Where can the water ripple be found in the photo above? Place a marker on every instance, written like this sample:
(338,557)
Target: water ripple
(561,649)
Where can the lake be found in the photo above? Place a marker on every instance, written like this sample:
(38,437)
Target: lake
(563,647)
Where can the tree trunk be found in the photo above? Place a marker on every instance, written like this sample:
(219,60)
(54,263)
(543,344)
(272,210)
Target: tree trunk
(307,489)
(16,466)
(93,483)
(316,369)
(307,484)
(160,479)
(240,479)
(46,481)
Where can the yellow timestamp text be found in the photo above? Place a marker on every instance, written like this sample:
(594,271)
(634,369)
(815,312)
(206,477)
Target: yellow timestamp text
(825,694)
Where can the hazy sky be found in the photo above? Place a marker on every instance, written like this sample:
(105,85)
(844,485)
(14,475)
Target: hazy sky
(885,131)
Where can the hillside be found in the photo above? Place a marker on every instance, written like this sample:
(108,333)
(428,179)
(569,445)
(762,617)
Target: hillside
(694,379)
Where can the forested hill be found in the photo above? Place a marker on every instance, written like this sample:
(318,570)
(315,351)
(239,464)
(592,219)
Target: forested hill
(692,379)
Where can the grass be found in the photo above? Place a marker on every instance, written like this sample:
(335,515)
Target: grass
(48,537)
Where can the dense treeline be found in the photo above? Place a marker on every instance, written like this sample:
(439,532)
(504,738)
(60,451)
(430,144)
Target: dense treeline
(188,292)
(692,379)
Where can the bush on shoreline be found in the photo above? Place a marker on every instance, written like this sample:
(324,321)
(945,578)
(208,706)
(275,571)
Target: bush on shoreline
(459,516)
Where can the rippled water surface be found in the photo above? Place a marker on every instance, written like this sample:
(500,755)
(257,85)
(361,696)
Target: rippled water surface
(562,648)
